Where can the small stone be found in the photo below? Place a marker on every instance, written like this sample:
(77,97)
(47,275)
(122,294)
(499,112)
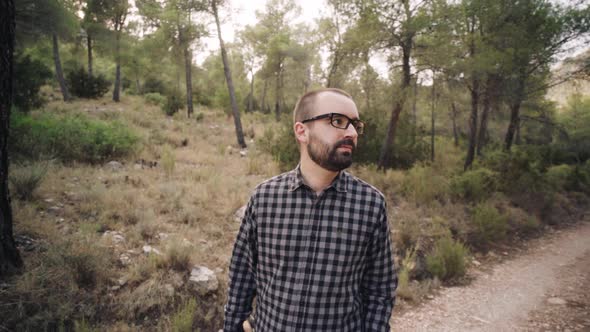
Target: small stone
(243,153)
(149,249)
(169,290)
(124,259)
(49,200)
(476,263)
(162,236)
(203,280)
(114,165)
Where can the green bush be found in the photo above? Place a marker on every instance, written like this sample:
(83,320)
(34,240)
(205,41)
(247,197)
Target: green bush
(174,103)
(155,98)
(474,185)
(153,84)
(520,170)
(446,261)
(182,321)
(26,179)
(490,224)
(281,145)
(73,138)
(423,184)
(84,86)
(29,75)
(558,176)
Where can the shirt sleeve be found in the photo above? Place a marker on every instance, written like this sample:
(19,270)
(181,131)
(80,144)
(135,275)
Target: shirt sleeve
(379,281)
(242,274)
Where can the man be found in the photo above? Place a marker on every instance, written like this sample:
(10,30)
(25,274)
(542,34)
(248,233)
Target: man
(314,245)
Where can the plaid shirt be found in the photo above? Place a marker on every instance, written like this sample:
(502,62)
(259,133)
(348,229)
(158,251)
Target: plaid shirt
(314,263)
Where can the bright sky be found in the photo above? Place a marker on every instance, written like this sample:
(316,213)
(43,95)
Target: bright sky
(242,13)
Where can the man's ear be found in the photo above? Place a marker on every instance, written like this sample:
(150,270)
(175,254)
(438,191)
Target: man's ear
(300,132)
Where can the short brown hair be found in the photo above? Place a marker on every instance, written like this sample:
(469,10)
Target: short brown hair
(304,107)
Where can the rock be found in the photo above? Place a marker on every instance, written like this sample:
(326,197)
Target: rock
(149,249)
(137,167)
(239,214)
(243,153)
(203,280)
(114,166)
(124,259)
(556,301)
(54,209)
(48,200)
(169,290)
(25,242)
(162,236)
(476,263)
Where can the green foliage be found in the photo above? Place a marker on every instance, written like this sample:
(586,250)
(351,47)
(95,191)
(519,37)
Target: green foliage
(69,138)
(474,185)
(408,263)
(155,98)
(446,261)
(153,84)
(423,184)
(558,177)
(30,75)
(84,86)
(182,320)
(26,179)
(574,147)
(281,144)
(490,225)
(174,102)
(520,170)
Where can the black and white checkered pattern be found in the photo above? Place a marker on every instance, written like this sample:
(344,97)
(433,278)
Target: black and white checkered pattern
(314,263)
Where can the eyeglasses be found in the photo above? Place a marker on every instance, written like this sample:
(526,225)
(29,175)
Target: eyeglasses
(340,121)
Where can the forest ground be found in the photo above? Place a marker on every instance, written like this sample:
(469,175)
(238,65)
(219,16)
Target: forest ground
(542,285)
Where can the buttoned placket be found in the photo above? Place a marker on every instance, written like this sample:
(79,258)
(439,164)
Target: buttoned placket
(313,220)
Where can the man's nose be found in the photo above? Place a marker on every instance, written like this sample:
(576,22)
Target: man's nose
(351,132)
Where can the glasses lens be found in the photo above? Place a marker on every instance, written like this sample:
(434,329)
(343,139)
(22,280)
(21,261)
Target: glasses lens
(339,121)
(359,126)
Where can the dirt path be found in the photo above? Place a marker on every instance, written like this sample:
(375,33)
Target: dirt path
(546,288)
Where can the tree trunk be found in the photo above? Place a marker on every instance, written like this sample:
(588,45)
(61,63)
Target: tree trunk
(454,120)
(513,126)
(251,96)
(116,90)
(263,99)
(483,127)
(515,113)
(432,133)
(385,154)
(89,44)
(10,260)
(229,81)
(189,81)
(278,93)
(414,112)
(472,123)
(58,71)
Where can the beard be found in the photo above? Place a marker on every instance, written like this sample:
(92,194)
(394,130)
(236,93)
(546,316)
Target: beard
(329,157)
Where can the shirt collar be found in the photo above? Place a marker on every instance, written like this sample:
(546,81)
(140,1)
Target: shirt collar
(340,183)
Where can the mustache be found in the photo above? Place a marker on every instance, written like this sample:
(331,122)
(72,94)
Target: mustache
(346,141)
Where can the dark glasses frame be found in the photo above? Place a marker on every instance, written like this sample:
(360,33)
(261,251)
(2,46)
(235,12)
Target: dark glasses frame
(358,125)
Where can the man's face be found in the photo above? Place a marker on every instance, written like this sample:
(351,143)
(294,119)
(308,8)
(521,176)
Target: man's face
(330,147)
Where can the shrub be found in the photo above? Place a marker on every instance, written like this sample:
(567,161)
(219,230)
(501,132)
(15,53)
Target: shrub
(30,75)
(84,86)
(174,103)
(559,176)
(446,261)
(490,224)
(281,145)
(153,84)
(474,185)
(168,160)
(70,138)
(407,265)
(177,257)
(182,320)
(518,171)
(422,184)
(26,179)
(155,98)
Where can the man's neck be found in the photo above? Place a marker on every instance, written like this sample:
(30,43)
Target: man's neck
(316,177)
